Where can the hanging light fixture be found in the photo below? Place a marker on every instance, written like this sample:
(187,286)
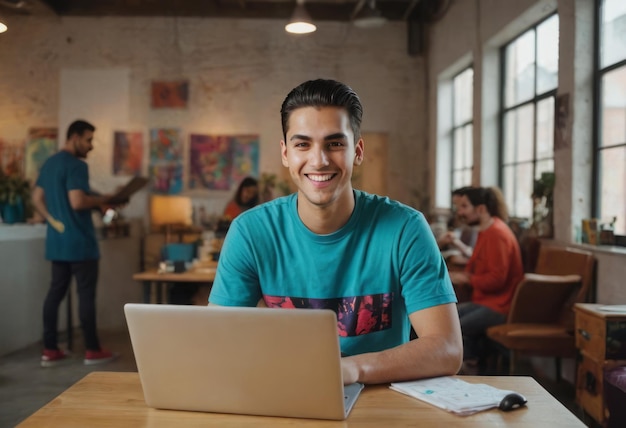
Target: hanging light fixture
(300,22)
(3,26)
(368,16)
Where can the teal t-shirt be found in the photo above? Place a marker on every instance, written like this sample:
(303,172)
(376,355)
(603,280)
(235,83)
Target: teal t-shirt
(61,173)
(381,266)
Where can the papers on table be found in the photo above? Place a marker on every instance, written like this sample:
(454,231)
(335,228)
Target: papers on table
(453,394)
(613,308)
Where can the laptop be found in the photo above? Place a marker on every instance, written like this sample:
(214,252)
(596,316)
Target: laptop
(253,361)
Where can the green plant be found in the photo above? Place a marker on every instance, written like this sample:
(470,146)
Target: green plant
(14,187)
(544,187)
(269,182)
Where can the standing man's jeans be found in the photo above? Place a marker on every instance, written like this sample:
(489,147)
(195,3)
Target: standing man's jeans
(475,320)
(86,274)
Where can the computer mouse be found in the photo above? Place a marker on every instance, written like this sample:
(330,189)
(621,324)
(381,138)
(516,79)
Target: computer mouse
(512,401)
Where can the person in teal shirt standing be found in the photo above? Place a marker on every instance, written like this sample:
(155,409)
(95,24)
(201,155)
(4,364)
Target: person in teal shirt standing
(63,197)
(371,260)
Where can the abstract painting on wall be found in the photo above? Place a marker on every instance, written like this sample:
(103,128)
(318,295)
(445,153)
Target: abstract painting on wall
(12,157)
(41,144)
(170,94)
(166,167)
(127,153)
(217,162)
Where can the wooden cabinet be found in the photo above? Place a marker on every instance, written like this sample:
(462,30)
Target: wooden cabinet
(601,341)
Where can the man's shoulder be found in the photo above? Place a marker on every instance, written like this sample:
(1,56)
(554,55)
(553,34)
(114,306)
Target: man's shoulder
(273,209)
(384,205)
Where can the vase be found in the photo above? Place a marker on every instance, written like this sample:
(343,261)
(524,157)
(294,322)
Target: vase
(13,213)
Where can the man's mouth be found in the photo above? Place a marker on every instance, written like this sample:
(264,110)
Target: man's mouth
(320,178)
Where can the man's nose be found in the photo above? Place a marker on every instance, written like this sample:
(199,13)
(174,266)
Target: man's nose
(319,157)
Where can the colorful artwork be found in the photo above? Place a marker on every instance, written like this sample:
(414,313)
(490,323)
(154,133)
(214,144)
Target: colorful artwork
(166,167)
(170,94)
(245,156)
(165,145)
(41,144)
(167,177)
(12,157)
(209,162)
(127,153)
(219,162)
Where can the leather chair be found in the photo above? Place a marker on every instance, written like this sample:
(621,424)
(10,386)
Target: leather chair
(541,319)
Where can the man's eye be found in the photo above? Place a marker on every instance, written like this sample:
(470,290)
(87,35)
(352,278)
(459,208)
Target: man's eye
(301,144)
(335,144)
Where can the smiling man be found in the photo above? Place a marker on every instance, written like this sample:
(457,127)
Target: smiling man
(371,260)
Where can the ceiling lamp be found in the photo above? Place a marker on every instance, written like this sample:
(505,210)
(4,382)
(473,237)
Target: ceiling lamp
(300,22)
(368,16)
(3,27)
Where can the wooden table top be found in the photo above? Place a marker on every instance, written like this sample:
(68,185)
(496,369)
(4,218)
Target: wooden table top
(202,274)
(113,399)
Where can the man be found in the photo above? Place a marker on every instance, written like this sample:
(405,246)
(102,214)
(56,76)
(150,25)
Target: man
(62,195)
(492,273)
(373,261)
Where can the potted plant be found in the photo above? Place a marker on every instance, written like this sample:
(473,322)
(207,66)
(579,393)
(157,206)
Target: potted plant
(15,203)
(543,198)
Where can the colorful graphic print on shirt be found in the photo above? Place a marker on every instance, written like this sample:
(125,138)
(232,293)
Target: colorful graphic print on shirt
(356,315)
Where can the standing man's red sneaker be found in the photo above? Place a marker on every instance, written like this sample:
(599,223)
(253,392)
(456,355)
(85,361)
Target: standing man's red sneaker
(99,357)
(53,357)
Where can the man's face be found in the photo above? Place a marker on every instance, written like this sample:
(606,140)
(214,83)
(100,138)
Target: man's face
(466,212)
(83,144)
(320,153)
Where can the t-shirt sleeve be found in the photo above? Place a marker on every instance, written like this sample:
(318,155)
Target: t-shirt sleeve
(423,272)
(236,281)
(78,177)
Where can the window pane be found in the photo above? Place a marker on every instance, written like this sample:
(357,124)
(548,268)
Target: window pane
(547,55)
(524,133)
(520,69)
(523,206)
(546,165)
(614,107)
(545,128)
(613,187)
(508,187)
(468,160)
(457,180)
(509,137)
(463,97)
(613,32)
(467,177)
(458,148)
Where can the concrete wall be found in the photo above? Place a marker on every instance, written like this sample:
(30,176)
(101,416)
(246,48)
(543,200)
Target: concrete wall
(25,278)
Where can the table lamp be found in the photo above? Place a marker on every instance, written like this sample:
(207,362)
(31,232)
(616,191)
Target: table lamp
(169,212)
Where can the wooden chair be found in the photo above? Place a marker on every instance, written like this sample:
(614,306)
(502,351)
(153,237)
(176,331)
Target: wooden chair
(541,320)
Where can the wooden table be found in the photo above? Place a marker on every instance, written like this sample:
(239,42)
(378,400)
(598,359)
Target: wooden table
(153,279)
(111,399)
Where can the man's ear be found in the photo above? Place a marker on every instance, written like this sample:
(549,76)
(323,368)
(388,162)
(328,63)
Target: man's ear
(283,153)
(359,151)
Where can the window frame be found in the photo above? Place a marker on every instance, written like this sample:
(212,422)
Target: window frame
(461,126)
(504,110)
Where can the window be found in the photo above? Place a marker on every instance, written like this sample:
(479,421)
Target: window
(610,156)
(462,126)
(530,70)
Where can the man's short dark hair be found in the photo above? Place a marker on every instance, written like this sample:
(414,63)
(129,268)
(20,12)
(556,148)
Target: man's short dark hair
(323,93)
(79,127)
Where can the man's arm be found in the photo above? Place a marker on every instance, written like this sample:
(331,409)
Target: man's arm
(38,198)
(79,200)
(438,351)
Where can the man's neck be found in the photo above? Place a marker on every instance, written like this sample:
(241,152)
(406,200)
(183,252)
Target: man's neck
(324,220)
(485,223)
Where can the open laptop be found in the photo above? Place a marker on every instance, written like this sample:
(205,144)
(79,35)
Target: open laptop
(256,361)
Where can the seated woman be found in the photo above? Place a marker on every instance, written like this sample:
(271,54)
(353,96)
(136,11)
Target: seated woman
(246,197)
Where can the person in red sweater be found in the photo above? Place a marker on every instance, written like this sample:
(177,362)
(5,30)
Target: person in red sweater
(246,197)
(493,271)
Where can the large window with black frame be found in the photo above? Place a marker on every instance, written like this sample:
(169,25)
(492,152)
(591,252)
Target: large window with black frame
(462,126)
(530,79)
(610,144)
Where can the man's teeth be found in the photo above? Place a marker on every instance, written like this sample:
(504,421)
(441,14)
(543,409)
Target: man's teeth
(320,178)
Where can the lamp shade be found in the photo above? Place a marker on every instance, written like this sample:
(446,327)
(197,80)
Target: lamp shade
(170,210)
(3,27)
(369,16)
(300,22)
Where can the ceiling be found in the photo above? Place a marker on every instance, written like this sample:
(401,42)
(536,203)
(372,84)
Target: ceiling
(322,10)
